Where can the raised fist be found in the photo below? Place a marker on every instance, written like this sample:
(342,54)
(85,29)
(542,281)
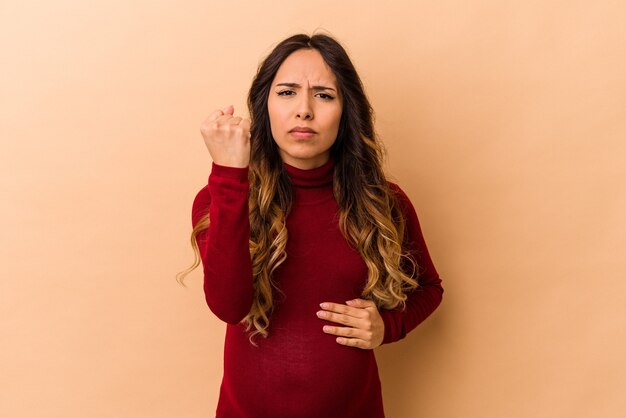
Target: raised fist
(227,137)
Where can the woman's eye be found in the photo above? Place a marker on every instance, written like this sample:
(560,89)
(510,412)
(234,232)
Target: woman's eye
(291,93)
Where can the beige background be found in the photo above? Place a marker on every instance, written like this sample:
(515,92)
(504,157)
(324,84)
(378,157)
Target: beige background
(504,122)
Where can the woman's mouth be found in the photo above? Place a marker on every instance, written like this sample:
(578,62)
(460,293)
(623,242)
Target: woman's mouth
(302,132)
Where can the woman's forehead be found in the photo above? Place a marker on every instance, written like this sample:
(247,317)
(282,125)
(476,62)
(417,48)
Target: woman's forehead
(306,68)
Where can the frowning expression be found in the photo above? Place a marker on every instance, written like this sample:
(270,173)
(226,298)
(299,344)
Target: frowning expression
(305,107)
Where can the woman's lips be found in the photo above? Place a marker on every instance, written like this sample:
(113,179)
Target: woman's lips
(301,134)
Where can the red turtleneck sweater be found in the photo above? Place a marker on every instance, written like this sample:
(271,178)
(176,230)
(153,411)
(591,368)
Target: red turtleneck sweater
(298,371)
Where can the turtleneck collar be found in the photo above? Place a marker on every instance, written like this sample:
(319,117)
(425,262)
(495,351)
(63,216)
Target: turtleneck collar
(315,177)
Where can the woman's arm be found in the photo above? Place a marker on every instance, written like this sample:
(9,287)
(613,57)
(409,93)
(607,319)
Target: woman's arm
(363,324)
(224,246)
(424,300)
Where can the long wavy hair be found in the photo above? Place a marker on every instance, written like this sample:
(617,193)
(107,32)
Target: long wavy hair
(370,217)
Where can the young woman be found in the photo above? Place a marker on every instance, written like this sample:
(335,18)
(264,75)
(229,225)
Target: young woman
(310,255)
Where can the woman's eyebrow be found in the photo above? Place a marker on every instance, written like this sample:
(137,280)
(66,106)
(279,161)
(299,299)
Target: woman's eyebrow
(296,85)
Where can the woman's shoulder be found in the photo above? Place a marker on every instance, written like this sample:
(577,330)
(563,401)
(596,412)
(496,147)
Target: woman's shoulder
(399,193)
(404,203)
(200,204)
(394,187)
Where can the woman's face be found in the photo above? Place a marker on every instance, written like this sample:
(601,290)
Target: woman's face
(305,108)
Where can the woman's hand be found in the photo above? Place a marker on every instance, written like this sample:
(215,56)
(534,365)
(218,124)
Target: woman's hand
(227,138)
(365,327)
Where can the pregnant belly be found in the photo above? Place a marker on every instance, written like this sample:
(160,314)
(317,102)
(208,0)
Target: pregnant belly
(298,369)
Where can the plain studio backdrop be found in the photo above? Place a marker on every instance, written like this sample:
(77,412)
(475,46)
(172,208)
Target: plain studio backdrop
(504,121)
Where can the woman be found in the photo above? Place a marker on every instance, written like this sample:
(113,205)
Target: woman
(310,255)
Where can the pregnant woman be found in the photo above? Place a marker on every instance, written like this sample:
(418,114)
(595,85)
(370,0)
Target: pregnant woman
(310,255)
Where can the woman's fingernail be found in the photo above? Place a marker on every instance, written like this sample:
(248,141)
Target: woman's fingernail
(324,305)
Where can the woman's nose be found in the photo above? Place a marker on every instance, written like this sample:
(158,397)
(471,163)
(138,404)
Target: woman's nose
(304,110)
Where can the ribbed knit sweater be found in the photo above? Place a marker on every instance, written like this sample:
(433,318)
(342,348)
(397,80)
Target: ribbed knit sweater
(298,371)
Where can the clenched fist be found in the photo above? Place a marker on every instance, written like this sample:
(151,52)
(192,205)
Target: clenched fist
(227,138)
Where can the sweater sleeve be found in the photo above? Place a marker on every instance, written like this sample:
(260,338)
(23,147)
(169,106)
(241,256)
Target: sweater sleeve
(426,298)
(224,245)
